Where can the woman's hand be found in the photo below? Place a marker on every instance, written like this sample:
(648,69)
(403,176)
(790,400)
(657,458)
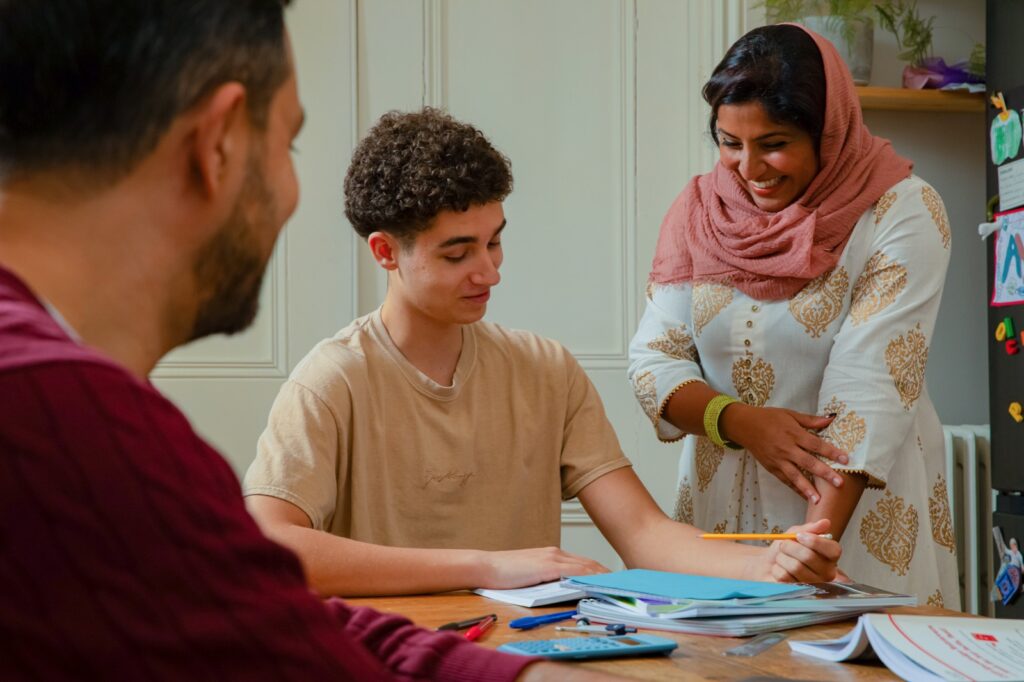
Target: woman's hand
(780,441)
(809,559)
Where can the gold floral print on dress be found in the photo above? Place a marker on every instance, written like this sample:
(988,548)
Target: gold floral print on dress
(935,599)
(684,503)
(935,206)
(709,299)
(708,457)
(753,379)
(847,430)
(877,287)
(906,357)
(938,514)
(675,343)
(647,395)
(819,303)
(889,532)
(883,205)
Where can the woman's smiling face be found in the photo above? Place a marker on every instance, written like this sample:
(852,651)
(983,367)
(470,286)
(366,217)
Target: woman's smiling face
(774,161)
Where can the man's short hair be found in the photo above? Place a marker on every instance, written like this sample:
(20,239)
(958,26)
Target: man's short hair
(92,85)
(412,166)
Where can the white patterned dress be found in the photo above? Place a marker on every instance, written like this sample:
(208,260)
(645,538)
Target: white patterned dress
(853,342)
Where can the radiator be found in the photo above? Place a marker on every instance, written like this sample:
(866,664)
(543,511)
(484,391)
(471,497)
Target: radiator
(969,481)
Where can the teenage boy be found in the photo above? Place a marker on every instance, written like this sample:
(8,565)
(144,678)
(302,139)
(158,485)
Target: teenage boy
(422,449)
(144,177)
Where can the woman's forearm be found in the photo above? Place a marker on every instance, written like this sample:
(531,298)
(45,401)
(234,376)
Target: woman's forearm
(837,504)
(685,409)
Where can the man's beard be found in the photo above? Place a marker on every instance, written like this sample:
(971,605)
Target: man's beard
(229,269)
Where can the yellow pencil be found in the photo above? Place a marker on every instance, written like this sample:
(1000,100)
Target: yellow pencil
(755,536)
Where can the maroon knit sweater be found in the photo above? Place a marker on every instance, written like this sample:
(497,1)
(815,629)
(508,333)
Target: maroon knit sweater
(126,552)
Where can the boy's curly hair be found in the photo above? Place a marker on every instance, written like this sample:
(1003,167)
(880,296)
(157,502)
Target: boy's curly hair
(411,166)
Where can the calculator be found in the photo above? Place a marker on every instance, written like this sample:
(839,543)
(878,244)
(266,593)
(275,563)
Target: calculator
(577,648)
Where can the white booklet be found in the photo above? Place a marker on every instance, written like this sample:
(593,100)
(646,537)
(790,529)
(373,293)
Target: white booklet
(535,595)
(931,648)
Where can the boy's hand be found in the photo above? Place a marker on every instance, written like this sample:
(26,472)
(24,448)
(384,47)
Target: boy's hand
(809,559)
(522,567)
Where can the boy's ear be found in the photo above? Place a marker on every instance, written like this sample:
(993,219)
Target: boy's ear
(384,248)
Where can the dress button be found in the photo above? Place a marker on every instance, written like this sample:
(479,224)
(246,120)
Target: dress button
(755,308)
(746,342)
(749,323)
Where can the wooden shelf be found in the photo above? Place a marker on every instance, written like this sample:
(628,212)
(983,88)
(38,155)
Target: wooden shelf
(904,99)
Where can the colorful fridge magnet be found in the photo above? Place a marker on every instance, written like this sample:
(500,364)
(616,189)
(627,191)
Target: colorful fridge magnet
(1008,284)
(1008,578)
(1004,334)
(1005,132)
(1016,412)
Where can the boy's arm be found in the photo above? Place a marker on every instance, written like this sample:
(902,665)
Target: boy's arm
(645,538)
(341,566)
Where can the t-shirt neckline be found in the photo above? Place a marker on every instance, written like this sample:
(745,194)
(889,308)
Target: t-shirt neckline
(423,383)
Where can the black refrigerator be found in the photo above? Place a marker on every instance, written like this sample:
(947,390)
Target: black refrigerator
(1005,74)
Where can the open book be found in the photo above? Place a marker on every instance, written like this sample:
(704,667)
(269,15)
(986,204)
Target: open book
(931,648)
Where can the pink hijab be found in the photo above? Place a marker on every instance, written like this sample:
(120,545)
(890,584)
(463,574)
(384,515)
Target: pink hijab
(714,231)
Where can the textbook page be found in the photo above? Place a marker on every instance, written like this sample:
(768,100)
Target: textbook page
(931,647)
(952,648)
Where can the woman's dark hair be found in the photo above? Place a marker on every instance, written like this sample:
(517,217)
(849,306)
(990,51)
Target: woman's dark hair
(411,166)
(93,84)
(778,66)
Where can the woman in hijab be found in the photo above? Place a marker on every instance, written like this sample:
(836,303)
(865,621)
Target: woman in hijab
(791,304)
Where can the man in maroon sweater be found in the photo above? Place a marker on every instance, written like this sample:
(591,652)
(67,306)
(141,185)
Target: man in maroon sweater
(144,177)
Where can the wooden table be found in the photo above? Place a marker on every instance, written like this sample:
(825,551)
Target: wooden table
(697,658)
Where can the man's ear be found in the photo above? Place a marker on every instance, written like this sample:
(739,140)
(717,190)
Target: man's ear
(384,248)
(219,143)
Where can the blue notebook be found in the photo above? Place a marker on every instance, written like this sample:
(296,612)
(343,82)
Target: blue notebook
(677,587)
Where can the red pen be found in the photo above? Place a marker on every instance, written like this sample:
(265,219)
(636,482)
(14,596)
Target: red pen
(480,628)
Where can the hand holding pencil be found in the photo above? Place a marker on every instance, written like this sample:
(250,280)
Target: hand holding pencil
(807,554)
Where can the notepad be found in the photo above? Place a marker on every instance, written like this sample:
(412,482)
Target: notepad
(535,595)
(678,587)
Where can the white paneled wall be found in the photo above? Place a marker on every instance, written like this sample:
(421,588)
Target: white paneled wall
(596,102)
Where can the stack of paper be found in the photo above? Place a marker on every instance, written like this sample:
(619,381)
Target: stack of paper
(931,648)
(535,595)
(718,606)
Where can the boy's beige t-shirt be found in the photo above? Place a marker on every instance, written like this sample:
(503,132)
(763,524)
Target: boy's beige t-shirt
(372,449)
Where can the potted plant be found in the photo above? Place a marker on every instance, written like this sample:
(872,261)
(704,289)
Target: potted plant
(848,24)
(914,38)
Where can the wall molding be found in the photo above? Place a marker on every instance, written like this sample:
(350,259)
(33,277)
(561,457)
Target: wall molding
(573,514)
(434,54)
(190,364)
(355,241)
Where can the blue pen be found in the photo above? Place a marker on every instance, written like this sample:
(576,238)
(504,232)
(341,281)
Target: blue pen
(534,621)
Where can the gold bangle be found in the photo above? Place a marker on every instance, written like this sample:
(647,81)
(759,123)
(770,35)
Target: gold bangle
(712,413)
